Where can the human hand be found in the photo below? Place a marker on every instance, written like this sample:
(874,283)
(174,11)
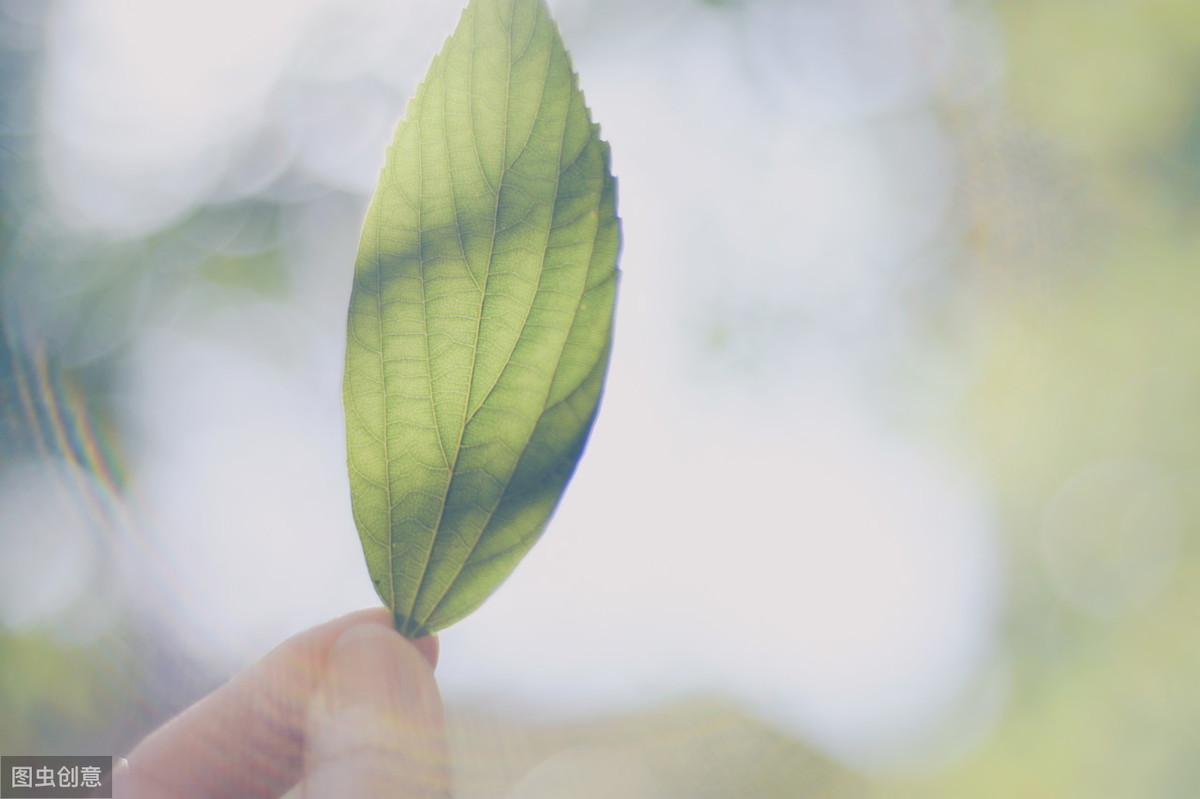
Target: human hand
(347,709)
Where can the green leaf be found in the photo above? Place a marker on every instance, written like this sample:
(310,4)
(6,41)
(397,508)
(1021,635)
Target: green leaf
(480,318)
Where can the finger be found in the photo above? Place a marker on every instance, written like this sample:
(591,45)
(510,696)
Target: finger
(375,725)
(247,737)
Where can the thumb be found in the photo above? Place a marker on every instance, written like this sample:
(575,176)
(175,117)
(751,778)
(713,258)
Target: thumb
(375,725)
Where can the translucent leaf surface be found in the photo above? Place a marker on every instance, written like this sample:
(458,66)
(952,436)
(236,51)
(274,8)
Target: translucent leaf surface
(481,316)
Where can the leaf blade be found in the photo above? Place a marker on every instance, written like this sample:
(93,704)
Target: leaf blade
(480,320)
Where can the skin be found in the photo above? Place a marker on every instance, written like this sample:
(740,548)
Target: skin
(347,708)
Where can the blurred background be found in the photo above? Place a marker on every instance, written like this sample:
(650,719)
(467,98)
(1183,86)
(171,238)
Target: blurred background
(892,491)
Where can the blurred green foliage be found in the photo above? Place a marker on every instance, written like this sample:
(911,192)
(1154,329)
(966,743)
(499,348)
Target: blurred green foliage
(1083,411)
(53,696)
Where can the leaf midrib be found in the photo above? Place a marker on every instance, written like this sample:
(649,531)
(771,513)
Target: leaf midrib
(537,291)
(504,168)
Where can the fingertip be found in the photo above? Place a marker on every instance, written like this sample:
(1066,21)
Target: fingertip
(375,723)
(372,660)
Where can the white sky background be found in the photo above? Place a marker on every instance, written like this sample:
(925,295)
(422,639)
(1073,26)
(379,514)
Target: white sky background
(743,520)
